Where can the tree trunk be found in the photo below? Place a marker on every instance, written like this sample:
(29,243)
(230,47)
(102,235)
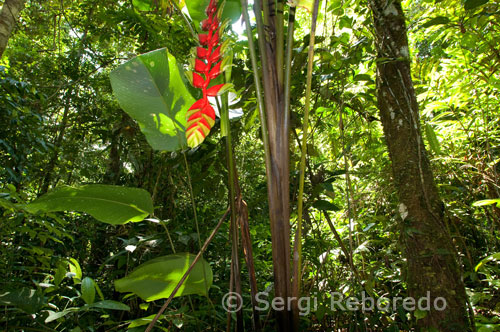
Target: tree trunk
(8,17)
(432,263)
(278,186)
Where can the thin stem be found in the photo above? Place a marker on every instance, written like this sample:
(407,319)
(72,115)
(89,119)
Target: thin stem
(232,196)
(280,41)
(288,64)
(190,27)
(168,235)
(186,274)
(297,257)
(258,86)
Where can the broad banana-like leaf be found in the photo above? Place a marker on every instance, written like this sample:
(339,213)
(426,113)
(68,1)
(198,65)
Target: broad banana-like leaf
(152,89)
(157,278)
(110,204)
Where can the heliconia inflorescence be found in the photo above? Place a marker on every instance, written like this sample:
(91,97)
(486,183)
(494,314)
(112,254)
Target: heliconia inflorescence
(208,63)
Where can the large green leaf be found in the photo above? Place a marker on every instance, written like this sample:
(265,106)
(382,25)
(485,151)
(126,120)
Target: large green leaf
(152,89)
(157,278)
(196,9)
(110,204)
(88,290)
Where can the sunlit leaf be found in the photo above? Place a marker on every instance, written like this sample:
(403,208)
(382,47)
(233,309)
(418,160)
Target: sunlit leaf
(487,202)
(109,204)
(157,278)
(152,89)
(432,138)
(196,9)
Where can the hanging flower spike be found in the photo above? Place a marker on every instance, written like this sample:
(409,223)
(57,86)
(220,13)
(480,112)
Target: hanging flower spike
(208,64)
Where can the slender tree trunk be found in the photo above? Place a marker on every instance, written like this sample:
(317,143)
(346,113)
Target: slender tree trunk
(432,263)
(279,163)
(8,18)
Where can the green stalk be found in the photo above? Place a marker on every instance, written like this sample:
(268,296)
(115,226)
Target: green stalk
(224,113)
(280,42)
(258,86)
(288,63)
(297,257)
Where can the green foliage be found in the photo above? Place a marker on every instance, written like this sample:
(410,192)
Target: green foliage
(151,88)
(157,278)
(60,125)
(196,8)
(110,204)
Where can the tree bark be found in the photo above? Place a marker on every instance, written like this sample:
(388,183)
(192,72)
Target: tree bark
(8,17)
(432,262)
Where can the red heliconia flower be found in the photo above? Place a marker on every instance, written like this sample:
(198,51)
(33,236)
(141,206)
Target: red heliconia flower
(208,65)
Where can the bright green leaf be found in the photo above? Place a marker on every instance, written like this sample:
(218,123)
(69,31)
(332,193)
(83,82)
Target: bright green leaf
(493,257)
(196,9)
(487,202)
(152,89)
(157,278)
(145,5)
(75,270)
(109,204)
(88,290)
(432,138)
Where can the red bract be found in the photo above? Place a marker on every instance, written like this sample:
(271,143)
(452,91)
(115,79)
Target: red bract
(207,67)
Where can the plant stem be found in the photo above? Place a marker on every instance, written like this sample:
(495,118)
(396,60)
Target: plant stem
(288,64)
(190,27)
(258,85)
(297,256)
(186,274)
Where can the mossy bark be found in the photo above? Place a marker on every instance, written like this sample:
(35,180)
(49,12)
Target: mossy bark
(431,257)
(8,18)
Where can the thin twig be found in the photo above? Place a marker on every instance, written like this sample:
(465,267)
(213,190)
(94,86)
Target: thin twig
(186,274)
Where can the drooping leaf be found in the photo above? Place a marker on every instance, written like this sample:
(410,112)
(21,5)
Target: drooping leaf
(88,290)
(152,89)
(494,257)
(432,138)
(471,4)
(110,204)
(75,270)
(436,21)
(157,278)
